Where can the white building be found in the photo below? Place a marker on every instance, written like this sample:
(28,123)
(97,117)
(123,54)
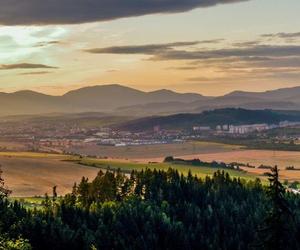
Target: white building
(244,129)
(201,128)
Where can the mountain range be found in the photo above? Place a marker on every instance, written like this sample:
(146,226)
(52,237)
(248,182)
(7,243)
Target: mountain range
(121,100)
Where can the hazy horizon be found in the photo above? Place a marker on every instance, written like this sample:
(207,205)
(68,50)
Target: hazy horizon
(136,88)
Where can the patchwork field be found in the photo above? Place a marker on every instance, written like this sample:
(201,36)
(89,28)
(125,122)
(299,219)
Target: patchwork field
(34,174)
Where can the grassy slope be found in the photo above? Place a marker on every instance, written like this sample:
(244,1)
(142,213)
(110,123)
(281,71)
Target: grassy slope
(127,167)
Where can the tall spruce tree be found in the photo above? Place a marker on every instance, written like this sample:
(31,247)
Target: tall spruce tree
(278,231)
(4,192)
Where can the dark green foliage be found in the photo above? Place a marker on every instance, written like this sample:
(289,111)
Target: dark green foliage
(199,163)
(152,209)
(278,230)
(4,192)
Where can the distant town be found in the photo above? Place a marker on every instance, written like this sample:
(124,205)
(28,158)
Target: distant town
(63,136)
(245,129)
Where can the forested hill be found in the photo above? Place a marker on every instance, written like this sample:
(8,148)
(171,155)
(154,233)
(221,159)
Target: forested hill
(157,210)
(235,116)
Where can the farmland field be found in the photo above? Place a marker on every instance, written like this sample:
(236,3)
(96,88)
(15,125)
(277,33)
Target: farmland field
(257,157)
(11,145)
(31,174)
(151,151)
(128,166)
(34,174)
(206,151)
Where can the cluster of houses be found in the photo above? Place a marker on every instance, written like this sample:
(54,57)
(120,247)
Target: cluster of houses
(246,128)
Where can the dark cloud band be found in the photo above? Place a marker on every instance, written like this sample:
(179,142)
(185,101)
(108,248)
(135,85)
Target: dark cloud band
(25,66)
(35,73)
(169,52)
(282,35)
(26,12)
(141,49)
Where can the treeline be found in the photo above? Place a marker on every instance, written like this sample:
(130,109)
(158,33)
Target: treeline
(199,163)
(273,146)
(154,209)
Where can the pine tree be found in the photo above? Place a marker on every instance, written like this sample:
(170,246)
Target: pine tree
(277,231)
(4,192)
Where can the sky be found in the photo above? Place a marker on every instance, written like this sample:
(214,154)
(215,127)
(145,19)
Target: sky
(210,47)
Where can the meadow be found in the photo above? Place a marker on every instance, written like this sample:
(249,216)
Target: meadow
(128,166)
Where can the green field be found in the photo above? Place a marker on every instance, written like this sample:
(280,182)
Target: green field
(127,167)
(29,202)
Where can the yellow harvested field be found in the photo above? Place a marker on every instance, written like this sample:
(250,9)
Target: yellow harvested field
(11,145)
(31,155)
(35,174)
(257,157)
(254,157)
(206,151)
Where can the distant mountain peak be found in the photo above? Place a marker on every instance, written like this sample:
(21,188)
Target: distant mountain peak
(111,98)
(103,87)
(162,91)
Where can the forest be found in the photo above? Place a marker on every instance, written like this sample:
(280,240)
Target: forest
(153,209)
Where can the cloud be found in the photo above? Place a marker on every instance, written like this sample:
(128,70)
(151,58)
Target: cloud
(213,41)
(48,43)
(282,35)
(140,49)
(169,51)
(183,68)
(36,73)
(252,51)
(246,44)
(148,49)
(25,66)
(247,60)
(37,12)
(245,75)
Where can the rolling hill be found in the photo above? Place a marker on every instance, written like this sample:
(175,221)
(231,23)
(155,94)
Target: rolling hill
(104,98)
(120,100)
(210,118)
